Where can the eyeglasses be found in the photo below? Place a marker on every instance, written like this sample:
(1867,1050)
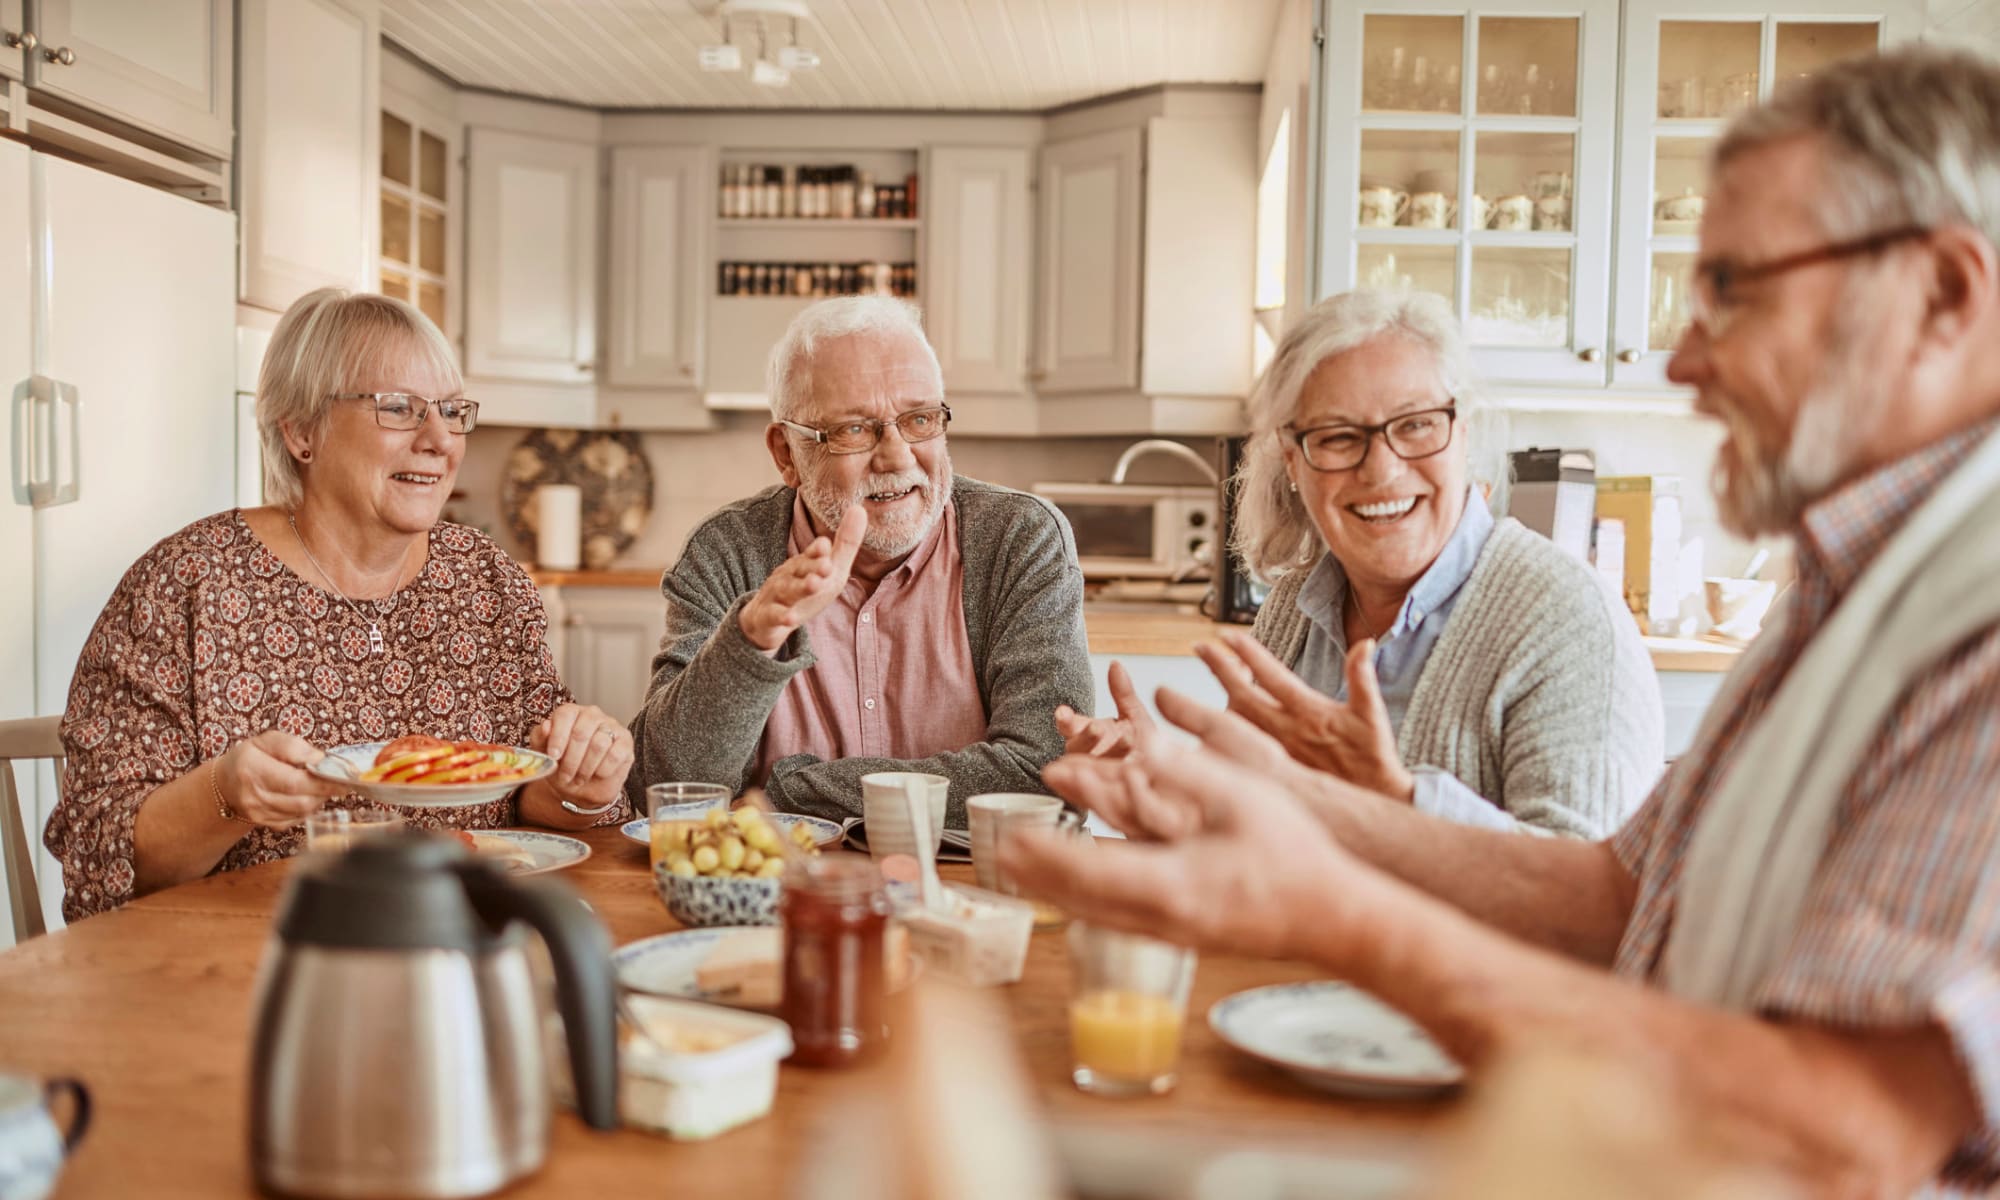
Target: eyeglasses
(1409,437)
(861,435)
(407,410)
(1711,304)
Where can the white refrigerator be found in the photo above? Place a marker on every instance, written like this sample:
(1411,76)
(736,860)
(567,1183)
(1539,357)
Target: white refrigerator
(117,354)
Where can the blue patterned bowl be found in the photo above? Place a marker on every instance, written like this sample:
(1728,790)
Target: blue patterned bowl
(700,901)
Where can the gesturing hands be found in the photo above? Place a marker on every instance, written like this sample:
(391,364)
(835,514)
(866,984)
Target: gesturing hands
(1108,737)
(265,782)
(1353,740)
(803,585)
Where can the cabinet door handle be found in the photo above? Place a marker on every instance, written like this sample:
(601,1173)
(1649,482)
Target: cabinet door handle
(1628,356)
(62,57)
(37,464)
(22,41)
(583,368)
(1591,355)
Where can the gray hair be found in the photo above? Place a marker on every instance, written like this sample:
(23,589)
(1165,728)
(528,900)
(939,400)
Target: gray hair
(1274,533)
(323,342)
(1911,137)
(788,374)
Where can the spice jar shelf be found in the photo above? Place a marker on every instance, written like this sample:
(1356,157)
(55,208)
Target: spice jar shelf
(818,223)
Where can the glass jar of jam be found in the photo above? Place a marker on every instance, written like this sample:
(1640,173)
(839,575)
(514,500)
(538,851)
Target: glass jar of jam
(835,915)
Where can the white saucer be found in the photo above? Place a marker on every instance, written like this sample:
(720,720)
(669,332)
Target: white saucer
(1335,1037)
(552,851)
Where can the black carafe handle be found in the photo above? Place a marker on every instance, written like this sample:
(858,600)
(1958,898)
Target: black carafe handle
(585,984)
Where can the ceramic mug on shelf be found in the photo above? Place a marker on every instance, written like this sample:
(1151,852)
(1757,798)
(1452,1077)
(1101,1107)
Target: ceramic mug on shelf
(1685,207)
(1478,212)
(1514,214)
(1432,210)
(1550,183)
(1552,213)
(1382,205)
(32,1145)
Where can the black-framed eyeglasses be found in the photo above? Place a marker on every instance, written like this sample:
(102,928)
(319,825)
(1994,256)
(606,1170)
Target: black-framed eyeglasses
(1343,447)
(407,410)
(861,434)
(1712,305)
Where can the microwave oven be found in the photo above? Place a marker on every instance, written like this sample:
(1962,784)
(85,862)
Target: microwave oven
(1138,531)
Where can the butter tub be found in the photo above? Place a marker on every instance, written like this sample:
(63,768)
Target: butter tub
(694,1070)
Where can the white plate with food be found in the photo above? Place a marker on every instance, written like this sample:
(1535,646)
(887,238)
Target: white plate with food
(825,833)
(426,772)
(525,851)
(1335,1037)
(738,965)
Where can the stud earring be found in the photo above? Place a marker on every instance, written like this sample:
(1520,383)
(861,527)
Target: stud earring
(307,456)
(1295,485)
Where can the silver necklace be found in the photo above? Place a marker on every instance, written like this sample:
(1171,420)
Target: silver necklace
(374,630)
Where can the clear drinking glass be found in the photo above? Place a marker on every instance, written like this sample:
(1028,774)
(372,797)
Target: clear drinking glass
(1059,821)
(671,804)
(1127,1007)
(334,829)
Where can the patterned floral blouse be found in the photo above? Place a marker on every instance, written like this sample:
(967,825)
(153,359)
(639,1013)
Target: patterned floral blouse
(210,639)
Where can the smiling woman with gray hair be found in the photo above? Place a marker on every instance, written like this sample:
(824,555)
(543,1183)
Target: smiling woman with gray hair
(1412,644)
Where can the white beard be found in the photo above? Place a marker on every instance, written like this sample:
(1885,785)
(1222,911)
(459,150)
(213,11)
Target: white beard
(889,537)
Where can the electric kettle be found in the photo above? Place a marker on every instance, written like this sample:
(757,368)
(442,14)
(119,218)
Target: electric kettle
(398,1048)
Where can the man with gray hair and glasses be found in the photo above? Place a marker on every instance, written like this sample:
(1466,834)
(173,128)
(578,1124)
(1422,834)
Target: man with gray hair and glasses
(874,612)
(1800,929)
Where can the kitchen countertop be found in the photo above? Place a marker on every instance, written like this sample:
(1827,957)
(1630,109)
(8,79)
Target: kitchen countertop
(1133,630)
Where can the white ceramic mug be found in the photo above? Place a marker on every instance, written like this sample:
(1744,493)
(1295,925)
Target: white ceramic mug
(1382,205)
(885,811)
(1685,207)
(32,1145)
(1550,183)
(1552,213)
(1432,210)
(1514,214)
(983,815)
(1478,212)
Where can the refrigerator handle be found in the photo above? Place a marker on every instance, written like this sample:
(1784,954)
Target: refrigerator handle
(36,442)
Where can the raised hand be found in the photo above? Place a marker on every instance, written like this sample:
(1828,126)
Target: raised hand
(803,585)
(1108,737)
(1353,740)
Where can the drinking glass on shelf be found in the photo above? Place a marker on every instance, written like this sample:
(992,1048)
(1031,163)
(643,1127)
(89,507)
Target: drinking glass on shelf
(1128,1003)
(335,829)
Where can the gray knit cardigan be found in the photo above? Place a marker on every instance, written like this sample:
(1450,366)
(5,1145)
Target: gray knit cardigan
(1539,695)
(712,691)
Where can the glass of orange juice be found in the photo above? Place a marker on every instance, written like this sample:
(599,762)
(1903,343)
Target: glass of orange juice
(1128,1003)
(675,809)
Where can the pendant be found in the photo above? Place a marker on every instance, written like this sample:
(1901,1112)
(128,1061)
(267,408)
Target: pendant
(374,638)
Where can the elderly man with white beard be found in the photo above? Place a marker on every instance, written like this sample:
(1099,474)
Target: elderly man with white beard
(1799,931)
(872,613)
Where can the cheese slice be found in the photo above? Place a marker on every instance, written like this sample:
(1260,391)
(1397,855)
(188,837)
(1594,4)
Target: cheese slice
(744,968)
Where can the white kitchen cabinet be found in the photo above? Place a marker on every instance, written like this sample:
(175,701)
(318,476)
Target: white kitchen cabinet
(976,254)
(1686,71)
(309,172)
(164,66)
(1089,331)
(531,258)
(13,58)
(1481,155)
(658,262)
(608,638)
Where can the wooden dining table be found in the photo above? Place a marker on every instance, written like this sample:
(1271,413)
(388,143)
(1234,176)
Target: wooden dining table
(150,1005)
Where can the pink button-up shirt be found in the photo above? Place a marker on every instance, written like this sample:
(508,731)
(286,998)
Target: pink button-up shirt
(892,675)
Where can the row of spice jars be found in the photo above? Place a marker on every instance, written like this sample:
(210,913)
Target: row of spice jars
(816,279)
(831,193)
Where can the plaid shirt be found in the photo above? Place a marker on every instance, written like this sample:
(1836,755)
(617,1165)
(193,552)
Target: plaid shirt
(1901,927)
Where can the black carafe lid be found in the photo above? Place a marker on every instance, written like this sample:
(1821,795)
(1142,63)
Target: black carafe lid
(400,892)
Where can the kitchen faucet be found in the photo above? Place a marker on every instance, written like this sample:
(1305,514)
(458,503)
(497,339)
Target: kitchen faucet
(1139,449)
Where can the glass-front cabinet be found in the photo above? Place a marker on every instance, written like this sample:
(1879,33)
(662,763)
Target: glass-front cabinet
(1469,154)
(1686,74)
(1510,161)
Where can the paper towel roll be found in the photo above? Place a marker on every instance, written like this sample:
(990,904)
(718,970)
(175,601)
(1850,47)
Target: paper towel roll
(558,526)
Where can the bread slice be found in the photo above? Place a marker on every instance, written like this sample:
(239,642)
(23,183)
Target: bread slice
(745,968)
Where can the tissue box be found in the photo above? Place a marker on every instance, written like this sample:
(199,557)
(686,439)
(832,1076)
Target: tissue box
(980,938)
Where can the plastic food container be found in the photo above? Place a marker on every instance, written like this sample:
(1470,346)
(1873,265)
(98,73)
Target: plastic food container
(699,1070)
(980,938)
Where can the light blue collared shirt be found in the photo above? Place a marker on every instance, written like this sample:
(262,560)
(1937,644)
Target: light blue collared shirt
(1401,652)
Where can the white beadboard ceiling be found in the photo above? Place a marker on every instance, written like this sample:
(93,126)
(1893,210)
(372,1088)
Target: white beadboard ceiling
(880,54)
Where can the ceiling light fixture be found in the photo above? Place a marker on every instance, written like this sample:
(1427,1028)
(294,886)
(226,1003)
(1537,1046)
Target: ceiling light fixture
(769,70)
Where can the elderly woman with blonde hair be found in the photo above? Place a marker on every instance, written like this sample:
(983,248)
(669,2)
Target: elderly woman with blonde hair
(1413,644)
(236,650)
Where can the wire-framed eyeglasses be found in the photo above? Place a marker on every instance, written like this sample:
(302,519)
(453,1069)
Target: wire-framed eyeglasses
(860,435)
(1344,446)
(407,410)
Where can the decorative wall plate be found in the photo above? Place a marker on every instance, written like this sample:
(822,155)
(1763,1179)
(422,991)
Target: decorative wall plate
(611,468)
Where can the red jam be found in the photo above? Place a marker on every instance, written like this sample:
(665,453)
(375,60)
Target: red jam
(835,915)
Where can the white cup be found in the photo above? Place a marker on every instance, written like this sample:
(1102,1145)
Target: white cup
(1432,210)
(1552,213)
(983,815)
(1382,205)
(32,1145)
(1514,214)
(885,811)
